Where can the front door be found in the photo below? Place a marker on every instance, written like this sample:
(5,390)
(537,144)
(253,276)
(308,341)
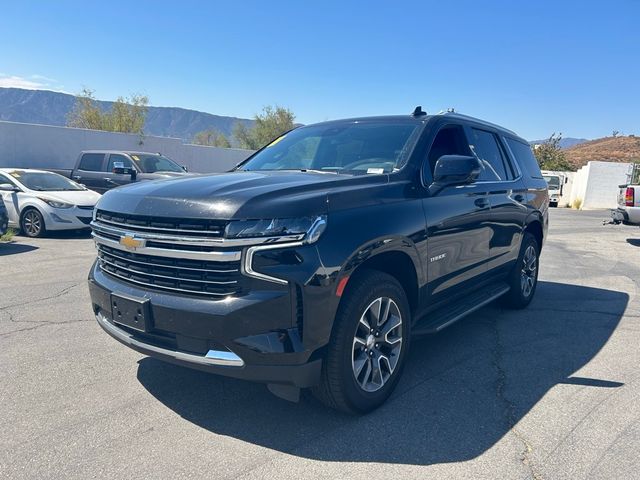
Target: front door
(113,180)
(458,226)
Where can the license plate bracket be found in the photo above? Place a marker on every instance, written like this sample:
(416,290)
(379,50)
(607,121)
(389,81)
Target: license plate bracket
(131,312)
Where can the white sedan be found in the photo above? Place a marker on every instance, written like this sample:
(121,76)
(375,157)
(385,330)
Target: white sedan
(38,201)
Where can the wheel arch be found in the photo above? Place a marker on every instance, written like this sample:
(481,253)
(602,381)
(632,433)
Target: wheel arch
(534,226)
(398,264)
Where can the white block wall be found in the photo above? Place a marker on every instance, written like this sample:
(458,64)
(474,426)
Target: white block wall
(596,184)
(26,145)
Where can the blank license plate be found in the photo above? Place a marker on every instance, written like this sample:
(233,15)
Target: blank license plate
(131,312)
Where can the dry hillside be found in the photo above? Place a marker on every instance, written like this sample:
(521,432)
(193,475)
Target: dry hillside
(608,149)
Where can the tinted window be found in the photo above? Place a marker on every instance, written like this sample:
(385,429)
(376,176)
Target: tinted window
(485,146)
(525,157)
(91,162)
(119,158)
(450,140)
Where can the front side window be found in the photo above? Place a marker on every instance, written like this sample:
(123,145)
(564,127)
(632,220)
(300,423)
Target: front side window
(115,158)
(354,148)
(91,162)
(485,146)
(450,140)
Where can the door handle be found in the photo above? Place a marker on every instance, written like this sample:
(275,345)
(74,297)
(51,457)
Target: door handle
(481,202)
(76,177)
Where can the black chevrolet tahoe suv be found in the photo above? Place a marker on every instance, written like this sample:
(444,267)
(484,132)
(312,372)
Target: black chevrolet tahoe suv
(314,262)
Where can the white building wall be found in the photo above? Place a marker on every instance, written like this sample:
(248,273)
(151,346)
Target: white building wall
(42,146)
(596,184)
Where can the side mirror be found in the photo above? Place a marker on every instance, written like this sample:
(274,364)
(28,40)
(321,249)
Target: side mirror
(7,187)
(453,170)
(120,169)
(184,167)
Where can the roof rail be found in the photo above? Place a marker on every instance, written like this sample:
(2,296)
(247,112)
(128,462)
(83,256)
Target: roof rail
(451,113)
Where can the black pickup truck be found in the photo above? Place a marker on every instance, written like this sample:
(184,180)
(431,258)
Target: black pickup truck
(102,170)
(314,262)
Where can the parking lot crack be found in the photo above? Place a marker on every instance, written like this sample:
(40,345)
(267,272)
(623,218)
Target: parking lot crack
(64,291)
(510,407)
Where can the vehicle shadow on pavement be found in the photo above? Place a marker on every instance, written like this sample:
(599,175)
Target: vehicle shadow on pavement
(461,392)
(12,248)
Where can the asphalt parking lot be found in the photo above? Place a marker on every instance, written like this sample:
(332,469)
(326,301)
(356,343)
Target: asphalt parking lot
(550,392)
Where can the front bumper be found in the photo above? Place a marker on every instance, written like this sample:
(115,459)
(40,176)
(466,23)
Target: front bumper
(253,337)
(73,218)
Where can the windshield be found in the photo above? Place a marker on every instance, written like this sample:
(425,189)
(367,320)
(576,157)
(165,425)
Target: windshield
(352,148)
(45,181)
(155,163)
(552,182)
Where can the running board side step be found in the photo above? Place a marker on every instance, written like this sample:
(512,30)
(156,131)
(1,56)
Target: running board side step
(443,317)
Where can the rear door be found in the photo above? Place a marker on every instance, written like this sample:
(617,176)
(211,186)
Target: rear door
(506,193)
(458,226)
(90,171)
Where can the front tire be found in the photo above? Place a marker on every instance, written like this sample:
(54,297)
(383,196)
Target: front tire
(523,279)
(32,223)
(368,345)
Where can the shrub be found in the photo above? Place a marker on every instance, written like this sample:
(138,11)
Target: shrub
(8,236)
(577,204)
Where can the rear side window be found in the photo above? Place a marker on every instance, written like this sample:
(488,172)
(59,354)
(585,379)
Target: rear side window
(485,145)
(91,162)
(525,157)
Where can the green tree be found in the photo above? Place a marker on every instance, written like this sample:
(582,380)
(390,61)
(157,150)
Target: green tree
(270,124)
(211,138)
(86,113)
(127,115)
(550,156)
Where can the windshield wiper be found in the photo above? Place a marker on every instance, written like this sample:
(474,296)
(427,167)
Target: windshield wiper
(307,170)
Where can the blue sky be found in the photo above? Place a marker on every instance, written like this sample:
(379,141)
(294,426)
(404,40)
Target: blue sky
(535,67)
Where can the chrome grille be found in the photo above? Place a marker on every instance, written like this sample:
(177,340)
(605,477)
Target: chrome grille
(186,227)
(171,274)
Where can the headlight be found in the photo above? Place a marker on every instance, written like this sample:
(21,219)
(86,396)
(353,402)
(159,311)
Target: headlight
(55,204)
(312,227)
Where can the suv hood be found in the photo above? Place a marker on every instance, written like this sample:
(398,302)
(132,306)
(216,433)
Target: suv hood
(238,195)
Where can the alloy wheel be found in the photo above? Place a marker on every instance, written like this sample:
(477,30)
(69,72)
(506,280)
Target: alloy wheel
(376,344)
(32,223)
(528,272)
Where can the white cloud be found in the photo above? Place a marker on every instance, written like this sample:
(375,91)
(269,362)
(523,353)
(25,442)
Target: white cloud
(33,82)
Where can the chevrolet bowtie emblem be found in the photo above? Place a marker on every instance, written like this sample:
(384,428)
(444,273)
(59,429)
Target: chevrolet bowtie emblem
(131,242)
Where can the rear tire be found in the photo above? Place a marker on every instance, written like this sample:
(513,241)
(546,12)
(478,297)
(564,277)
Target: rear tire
(32,223)
(368,345)
(523,279)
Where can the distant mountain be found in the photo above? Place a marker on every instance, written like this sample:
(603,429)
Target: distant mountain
(51,108)
(607,149)
(564,142)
